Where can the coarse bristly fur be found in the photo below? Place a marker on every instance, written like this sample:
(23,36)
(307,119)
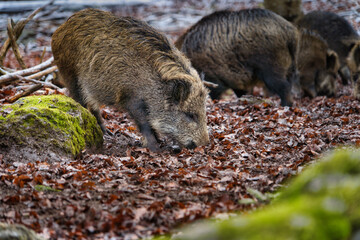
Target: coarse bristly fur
(238,49)
(125,63)
(317,65)
(339,34)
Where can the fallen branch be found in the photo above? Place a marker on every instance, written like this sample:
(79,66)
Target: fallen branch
(11,76)
(45,84)
(27,92)
(14,45)
(43,72)
(210,84)
(18,28)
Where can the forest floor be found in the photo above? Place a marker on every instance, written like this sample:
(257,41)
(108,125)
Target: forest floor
(125,191)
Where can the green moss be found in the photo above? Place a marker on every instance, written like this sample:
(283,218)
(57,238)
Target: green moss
(316,180)
(55,119)
(42,188)
(321,203)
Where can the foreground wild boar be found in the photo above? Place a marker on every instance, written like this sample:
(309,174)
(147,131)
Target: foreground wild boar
(238,50)
(291,10)
(124,62)
(317,65)
(338,33)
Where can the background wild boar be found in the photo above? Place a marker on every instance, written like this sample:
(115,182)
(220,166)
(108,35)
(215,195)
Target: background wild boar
(238,49)
(338,33)
(124,62)
(291,10)
(317,65)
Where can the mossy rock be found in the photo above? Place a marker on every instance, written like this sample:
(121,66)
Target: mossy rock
(17,232)
(323,202)
(46,128)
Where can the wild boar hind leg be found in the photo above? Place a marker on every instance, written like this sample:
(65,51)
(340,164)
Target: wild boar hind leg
(138,110)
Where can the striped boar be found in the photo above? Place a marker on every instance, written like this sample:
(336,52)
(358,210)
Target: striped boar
(240,49)
(317,65)
(291,10)
(125,63)
(338,33)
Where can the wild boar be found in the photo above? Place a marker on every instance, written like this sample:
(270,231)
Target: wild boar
(239,49)
(291,10)
(338,33)
(318,65)
(125,63)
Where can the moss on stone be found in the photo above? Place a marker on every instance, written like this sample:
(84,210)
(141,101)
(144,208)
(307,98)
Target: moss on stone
(321,203)
(42,188)
(56,121)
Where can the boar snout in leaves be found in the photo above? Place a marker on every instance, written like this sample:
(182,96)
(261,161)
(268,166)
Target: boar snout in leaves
(240,49)
(125,63)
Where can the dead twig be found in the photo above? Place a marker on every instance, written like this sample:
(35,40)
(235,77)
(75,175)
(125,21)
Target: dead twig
(38,84)
(12,76)
(14,45)
(27,92)
(210,84)
(18,28)
(43,55)
(45,84)
(43,72)
(3,71)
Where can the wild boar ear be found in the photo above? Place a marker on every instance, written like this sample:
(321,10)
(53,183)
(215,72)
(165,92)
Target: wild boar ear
(332,61)
(179,90)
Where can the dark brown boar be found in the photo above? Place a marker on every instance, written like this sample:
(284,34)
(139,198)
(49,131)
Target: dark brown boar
(239,49)
(318,65)
(125,63)
(291,10)
(338,33)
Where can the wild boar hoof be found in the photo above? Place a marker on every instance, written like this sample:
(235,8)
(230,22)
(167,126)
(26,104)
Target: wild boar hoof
(152,146)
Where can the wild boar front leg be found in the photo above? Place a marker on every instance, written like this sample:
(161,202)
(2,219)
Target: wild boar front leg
(277,84)
(138,110)
(345,75)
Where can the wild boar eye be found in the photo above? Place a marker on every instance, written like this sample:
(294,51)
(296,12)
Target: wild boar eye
(191,116)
